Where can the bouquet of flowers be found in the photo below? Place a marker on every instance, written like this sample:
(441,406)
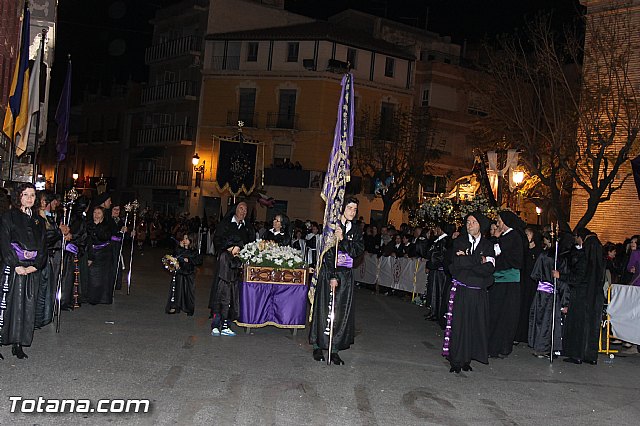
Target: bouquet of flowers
(478,203)
(268,253)
(436,210)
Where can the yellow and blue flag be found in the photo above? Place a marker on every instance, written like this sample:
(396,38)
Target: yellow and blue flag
(17,114)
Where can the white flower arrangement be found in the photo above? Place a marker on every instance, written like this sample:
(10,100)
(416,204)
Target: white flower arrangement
(270,254)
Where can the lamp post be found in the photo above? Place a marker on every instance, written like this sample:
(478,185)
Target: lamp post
(538,212)
(198,169)
(518,178)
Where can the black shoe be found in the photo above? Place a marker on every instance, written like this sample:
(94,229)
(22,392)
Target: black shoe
(573,360)
(18,352)
(467,367)
(454,370)
(318,355)
(500,356)
(335,358)
(592,362)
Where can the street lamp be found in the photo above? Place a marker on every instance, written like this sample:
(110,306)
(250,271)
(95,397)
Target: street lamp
(198,169)
(518,178)
(538,212)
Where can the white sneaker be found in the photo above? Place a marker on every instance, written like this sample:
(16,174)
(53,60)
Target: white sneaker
(215,332)
(227,332)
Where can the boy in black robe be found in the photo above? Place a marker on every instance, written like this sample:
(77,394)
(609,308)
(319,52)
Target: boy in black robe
(340,280)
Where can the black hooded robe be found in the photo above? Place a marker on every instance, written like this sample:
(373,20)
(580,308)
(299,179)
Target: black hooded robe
(586,279)
(466,330)
(183,285)
(504,296)
(437,280)
(18,293)
(344,319)
(225,230)
(99,286)
(541,312)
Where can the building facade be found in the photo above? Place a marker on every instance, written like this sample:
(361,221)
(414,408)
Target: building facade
(283,82)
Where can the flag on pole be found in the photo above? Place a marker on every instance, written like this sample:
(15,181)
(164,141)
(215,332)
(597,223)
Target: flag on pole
(62,116)
(15,118)
(34,104)
(337,176)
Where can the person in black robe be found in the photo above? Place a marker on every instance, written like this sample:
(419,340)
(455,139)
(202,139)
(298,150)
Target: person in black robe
(472,265)
(74,251)
(183,285)
(541,313)
(24,254)
(226,304)
(586,279)
(100,286)
(528,286)
(437,277)
(233,224)
(118,230)
(280,231)
(339,279)
(48,203)
(504,294)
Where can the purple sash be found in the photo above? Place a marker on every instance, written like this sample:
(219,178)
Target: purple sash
(100,246)
(452,297)
(344,260)
(545,287)
(116,238)
(71,248)
(24,254)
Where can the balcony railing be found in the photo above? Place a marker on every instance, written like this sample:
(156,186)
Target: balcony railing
(162,178)
(220,63)
(249,120)
(172,49)
(177,90)
(282,121)
(169,135)
(291,178)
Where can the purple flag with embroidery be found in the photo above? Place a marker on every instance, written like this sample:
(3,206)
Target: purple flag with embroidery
(62,117)
(337,175)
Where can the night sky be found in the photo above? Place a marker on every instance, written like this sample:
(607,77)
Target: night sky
(107,38)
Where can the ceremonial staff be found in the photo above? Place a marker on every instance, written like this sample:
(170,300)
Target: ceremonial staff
(332,315)
(554,233)
(70,197)
(127,208)
(133,206)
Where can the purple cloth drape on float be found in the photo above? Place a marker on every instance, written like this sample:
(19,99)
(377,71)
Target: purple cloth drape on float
(282,305)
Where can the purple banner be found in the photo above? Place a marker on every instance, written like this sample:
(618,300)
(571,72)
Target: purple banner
(272,304)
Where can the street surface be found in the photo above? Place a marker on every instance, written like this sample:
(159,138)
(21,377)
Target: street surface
(394,374)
